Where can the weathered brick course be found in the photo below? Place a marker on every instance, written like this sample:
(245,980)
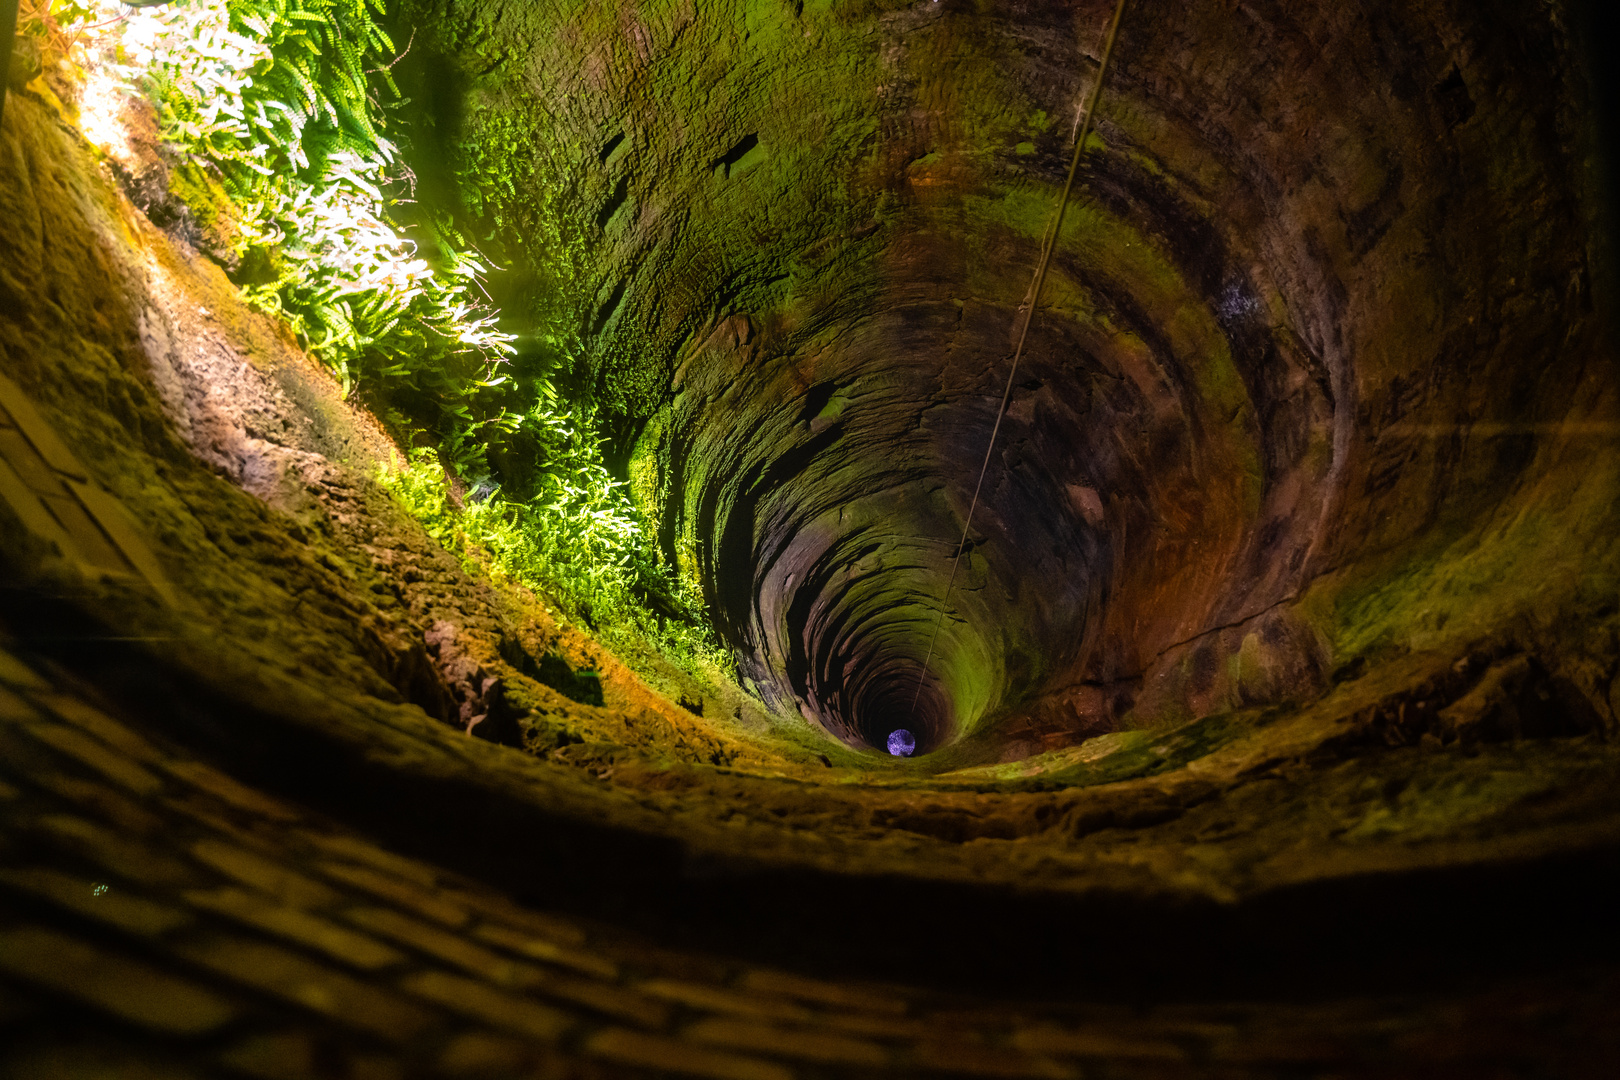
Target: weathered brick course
(96,755)
(717,999)
(297,925)
(419,900)
(541,948)
(493,1007)
(443,945)
(668,1055)
(972,1060)
(97,900)
(787,1042)
(270,877)
(852,996)
(126,988)
(303,982)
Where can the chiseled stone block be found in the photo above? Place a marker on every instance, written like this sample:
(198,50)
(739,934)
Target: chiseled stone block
(263,874)
(384,887)
(297,925)
(716,999)
(98,756)
(438,943)
(296,1055)
(13,672)
(303,982)
(100,901)
(14,708)
(81,715)
(550,951)
(609,1000)
(653,1052)
(479,1053)
(488,1005)
(126,988)
(354,849)
(991,1061)
(120,853)
(210,780)
(818,1046)
(822,992)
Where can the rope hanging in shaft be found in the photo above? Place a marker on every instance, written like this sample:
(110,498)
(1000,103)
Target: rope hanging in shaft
(1054,230)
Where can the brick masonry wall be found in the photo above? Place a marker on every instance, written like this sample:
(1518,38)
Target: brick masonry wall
(158,918)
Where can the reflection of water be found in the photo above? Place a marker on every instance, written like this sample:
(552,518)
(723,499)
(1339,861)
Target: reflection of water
(1236,302)
(901,742)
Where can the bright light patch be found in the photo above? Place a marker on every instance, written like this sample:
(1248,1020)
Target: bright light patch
(101,104)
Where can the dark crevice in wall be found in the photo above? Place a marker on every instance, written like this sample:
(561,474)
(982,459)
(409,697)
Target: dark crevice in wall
(737,156)
(609,308)
(621,192)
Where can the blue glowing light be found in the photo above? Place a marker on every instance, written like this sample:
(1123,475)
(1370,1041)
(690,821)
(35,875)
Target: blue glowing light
(901,744)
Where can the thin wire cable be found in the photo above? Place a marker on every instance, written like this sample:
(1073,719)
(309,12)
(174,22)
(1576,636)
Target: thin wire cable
(1048,243)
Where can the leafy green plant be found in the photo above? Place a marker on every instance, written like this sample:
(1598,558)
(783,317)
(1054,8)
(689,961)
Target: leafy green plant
(578,541)
(316,73)
(275,98)
(280,104)
(268,84)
